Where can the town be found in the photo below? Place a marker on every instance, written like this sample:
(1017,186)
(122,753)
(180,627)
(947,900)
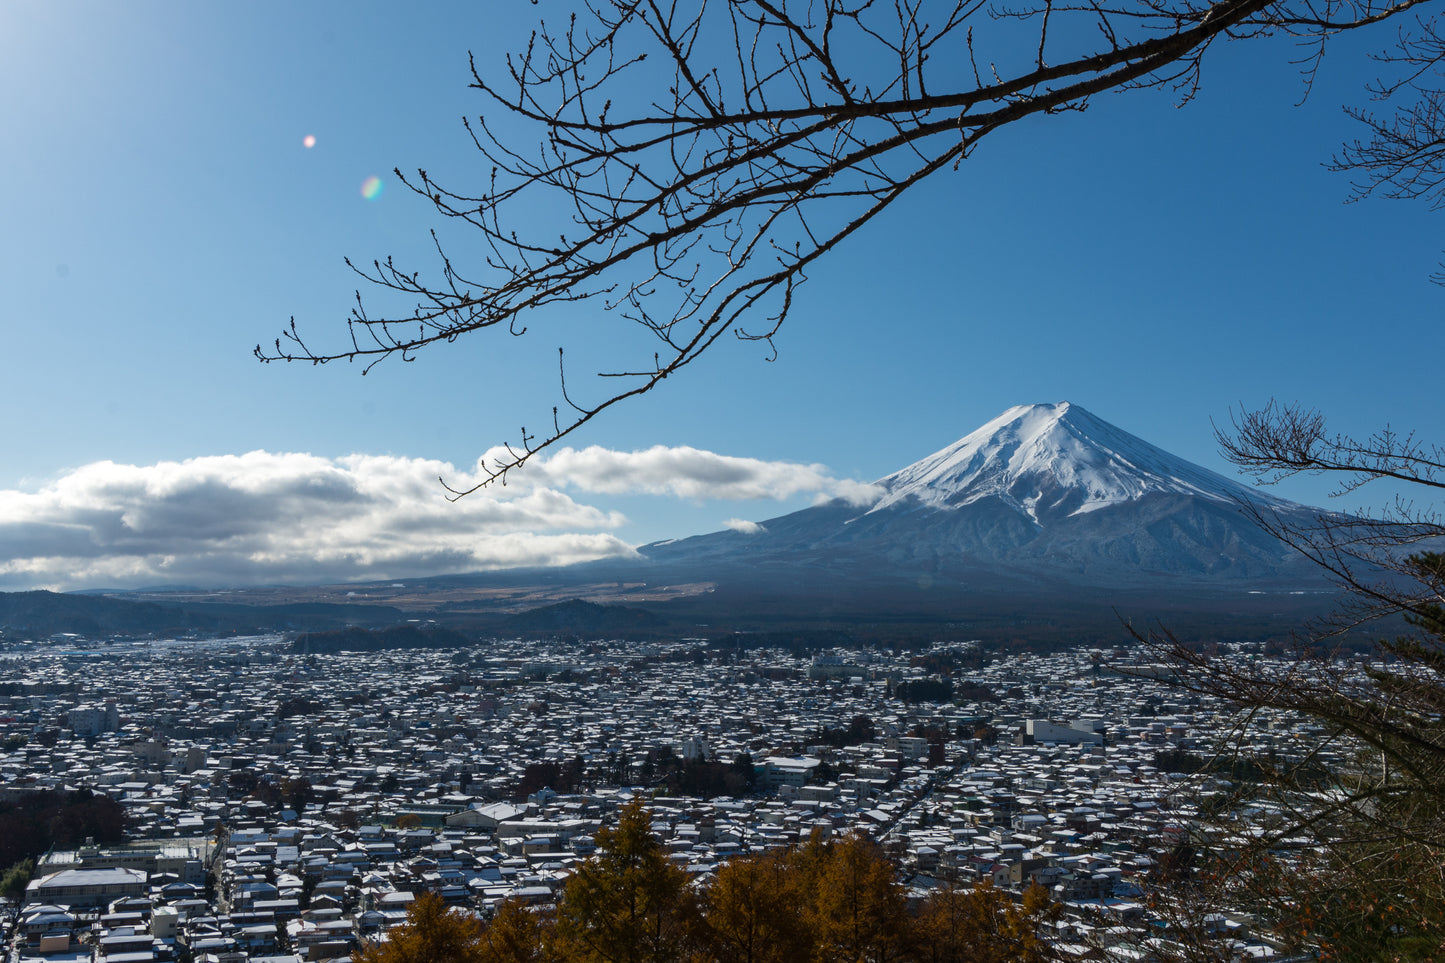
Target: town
(282,807)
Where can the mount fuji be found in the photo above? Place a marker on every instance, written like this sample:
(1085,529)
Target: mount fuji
(1045,526)
(1043,496)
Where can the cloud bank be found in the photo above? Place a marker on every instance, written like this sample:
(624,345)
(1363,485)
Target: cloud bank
(689,473)
(266,517)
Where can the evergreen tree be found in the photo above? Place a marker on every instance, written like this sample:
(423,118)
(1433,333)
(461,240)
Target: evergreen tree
(16,878)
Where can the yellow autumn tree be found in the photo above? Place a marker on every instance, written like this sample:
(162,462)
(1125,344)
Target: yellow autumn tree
(628,903)
(432,933)
(757,911)
(516,934)
(859,912)
(836,901)
(981,924)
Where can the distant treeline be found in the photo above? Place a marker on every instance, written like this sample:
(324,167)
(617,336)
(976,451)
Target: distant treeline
(1241,767)
(357,639)
(792,640)
(39,614)
(580,619)
(925,690)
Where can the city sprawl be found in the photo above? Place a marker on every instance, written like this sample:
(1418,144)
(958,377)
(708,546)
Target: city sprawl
(283,807)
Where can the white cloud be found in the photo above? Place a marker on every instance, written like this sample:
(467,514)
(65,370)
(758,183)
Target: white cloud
(288,517)
(685,472)
(263,517)
(744,526)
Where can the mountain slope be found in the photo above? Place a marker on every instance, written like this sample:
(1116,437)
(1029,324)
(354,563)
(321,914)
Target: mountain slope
(1053,461)
(1042,492)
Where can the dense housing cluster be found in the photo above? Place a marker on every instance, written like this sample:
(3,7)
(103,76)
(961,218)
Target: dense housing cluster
(281,807)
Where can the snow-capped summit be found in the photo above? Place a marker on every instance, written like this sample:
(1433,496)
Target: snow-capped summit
(1053,461)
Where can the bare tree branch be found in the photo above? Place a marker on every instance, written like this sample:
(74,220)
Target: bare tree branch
(1376,817)
(683,163)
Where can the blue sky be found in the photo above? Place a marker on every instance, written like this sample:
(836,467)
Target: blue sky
(162,215)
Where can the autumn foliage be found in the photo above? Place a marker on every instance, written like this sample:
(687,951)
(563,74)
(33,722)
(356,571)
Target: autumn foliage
(432,933)
(837,901)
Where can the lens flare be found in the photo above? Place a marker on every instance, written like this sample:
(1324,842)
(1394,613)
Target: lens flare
(309,141)
(371,188)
